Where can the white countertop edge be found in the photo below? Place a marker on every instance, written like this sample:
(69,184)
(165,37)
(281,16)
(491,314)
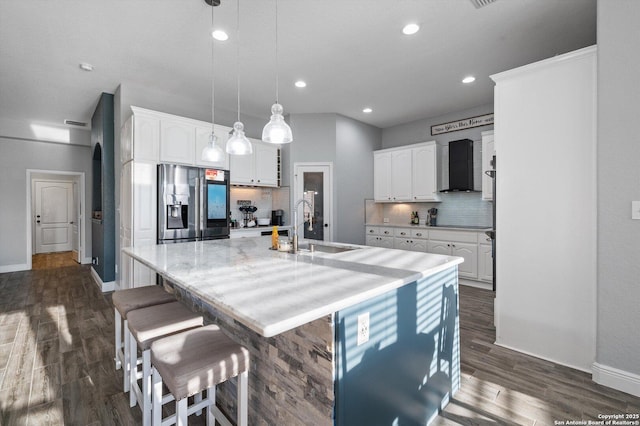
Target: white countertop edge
(270,330)
(426,227)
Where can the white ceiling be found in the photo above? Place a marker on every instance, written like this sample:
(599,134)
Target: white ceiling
(351,53)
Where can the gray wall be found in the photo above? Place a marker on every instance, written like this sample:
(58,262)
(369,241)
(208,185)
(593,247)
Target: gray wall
(355,143)
(18,155)
(349,145)
(618,342)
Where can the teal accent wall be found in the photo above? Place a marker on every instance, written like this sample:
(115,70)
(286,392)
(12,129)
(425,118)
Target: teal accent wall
(410,367)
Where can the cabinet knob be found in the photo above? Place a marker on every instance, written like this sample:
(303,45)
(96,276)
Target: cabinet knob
(419,234)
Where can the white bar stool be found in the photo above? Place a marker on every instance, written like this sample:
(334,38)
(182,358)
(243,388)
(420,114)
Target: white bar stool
(145,326)
(191,362)
(123,302)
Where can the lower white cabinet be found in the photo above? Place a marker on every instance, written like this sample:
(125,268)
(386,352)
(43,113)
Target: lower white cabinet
(485,263)
(468,251)
(379,236)
(409,239)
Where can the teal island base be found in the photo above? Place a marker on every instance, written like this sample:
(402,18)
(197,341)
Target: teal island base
(318,374)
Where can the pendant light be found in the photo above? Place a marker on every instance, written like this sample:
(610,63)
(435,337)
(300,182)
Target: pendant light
(277,131)
(212,152)
(238,144)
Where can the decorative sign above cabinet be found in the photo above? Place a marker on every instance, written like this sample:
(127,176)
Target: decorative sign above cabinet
(466,123)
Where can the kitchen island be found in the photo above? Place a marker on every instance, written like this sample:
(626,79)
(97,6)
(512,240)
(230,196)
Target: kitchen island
(302,317)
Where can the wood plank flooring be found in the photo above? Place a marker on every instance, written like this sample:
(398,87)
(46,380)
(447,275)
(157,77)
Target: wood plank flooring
(56,362)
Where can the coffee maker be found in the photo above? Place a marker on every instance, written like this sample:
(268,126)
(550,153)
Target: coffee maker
(277,217)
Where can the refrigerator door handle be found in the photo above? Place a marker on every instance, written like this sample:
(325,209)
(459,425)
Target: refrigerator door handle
(198,205)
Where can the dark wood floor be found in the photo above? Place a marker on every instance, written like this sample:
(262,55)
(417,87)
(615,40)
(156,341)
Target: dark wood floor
(56,362)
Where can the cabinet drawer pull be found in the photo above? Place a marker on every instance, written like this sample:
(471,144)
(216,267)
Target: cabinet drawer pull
(403,233)
(419,234)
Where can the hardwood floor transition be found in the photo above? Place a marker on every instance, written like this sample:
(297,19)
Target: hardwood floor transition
(56,362)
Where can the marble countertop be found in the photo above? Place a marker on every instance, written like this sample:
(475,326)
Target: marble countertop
(272,292)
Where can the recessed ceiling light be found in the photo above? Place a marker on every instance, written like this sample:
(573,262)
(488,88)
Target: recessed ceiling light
(410,29)
(468,79)
(300,84)
(367,110)
(86,67)
(220,35)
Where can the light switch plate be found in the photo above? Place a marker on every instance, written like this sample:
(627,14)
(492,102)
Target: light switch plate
(635,210)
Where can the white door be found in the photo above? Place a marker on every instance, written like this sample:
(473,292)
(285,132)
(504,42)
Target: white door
(53,216)
(313,183)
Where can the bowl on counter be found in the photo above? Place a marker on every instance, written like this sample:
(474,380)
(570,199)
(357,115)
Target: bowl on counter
(262,221)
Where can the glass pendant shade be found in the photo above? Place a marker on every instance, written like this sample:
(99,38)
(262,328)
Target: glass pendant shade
(212,152)
(238,144)
(277,130)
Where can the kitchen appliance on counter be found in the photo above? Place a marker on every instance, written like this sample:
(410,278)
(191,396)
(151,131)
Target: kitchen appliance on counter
(277,217)
(248,219)
(192,203)
(433,215)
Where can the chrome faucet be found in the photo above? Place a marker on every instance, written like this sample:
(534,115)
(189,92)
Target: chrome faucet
(295,222)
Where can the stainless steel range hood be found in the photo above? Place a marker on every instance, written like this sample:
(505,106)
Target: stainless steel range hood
(460,166)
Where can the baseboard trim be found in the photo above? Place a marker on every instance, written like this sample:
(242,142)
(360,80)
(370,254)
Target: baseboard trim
(14,268)
(555,361)
(104,287)
(476,284)
(616,378)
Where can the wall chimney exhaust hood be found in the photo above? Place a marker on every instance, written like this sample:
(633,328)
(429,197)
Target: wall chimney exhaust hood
(460,166)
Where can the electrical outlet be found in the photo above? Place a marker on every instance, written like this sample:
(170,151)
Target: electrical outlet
(385,220)
(363,328)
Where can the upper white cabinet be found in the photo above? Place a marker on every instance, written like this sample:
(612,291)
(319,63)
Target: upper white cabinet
(488,151)
(202,140)
(140,137)
(425,180)
(177,141)
(409,173)
(382,176)
(257,169)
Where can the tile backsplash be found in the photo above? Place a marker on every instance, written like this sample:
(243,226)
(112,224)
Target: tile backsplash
(456,208)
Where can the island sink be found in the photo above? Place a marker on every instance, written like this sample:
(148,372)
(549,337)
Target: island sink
(310,248)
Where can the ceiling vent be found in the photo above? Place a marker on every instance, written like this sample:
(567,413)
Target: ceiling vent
(481,3)
(75,123)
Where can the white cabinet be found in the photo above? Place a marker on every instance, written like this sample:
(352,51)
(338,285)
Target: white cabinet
(203,133)
(409,173)
(257,169)
(409,239)
(137,219)
(379,236)
(488,151)
(392,175)
(140,137)
(177,141)
(457,243)
(424,182)
(382,176)
(485,263)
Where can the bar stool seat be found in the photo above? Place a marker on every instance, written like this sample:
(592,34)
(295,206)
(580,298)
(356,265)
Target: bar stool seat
(123,302)
(193,361)
(145,326)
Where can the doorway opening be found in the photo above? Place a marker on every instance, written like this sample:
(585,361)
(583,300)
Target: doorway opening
(55,208)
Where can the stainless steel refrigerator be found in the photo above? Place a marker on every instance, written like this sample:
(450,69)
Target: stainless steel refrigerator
(193,203)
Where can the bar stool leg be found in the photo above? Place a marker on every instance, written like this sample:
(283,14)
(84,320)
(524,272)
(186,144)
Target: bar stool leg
(146,387)
(157,397)
(118,325)
(243,391)
(211,395)
(133,372)
(181,412)
(127,359)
